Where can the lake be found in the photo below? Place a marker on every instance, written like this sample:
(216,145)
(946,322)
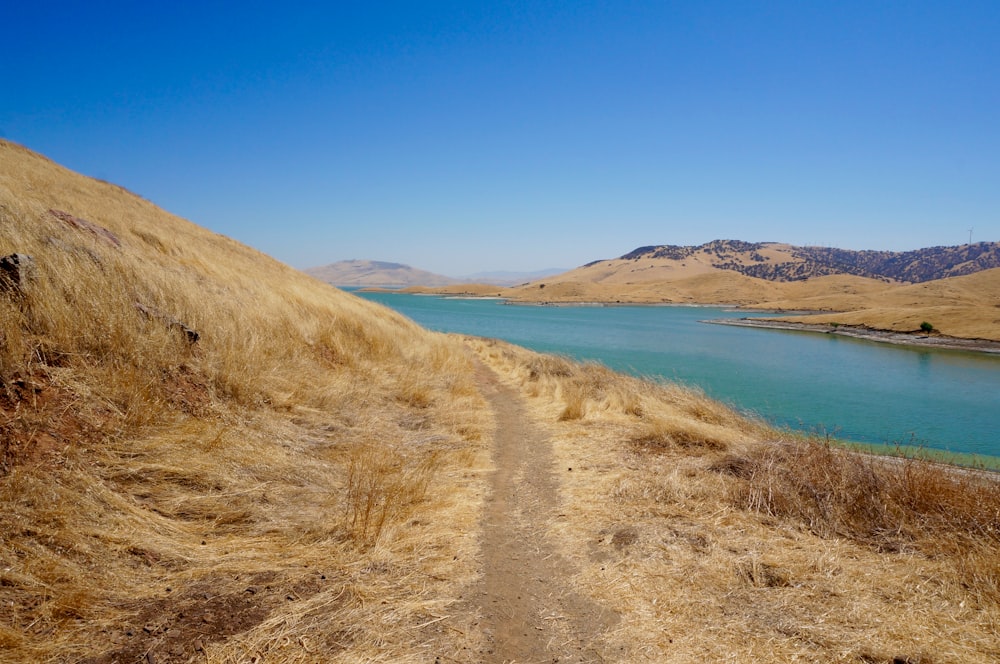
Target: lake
(849,389)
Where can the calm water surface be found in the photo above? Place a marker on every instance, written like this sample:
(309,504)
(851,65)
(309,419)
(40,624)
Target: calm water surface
(850,389)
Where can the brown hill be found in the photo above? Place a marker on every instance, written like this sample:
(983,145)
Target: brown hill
(686,287)
(965,307)
(201,447)
(782,262)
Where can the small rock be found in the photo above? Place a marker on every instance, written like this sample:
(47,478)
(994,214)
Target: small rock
(154,313)
(17,271)
(100,232)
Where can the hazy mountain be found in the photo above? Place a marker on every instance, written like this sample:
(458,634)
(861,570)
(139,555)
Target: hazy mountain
(509,278)
(376,273)
(380,273)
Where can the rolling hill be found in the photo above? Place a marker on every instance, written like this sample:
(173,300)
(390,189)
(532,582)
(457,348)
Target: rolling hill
(781,262)
(955,289)
(380,274)
(199,444)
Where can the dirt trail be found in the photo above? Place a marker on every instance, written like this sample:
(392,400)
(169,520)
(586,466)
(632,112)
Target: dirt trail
(530,612)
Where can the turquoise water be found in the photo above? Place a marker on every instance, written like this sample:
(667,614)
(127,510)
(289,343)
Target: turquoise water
(849,389)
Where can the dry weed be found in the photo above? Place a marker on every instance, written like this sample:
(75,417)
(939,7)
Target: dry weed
(302,483)
(381,487)
(890,504)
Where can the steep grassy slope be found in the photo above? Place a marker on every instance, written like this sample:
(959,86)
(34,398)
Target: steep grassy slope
(307,452)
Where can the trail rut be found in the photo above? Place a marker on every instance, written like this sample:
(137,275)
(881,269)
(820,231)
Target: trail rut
(530,611)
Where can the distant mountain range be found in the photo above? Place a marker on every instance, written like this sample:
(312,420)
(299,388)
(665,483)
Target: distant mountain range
(782,262)
(509,278)
(353,273)
(377,273)
(769,261)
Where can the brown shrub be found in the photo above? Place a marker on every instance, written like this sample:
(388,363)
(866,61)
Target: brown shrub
(888,503)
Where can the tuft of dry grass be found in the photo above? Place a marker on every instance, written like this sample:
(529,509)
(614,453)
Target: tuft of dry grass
(890,504)
(666,413)
(382,487)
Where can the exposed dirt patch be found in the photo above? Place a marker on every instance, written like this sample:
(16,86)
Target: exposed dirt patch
(530,610)
(178,627)
(624,538)
(186,390)
(37,420)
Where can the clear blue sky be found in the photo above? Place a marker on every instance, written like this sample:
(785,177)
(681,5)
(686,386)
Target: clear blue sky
(463,136)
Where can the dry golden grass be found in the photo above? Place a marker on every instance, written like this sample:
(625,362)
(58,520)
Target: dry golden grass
(716,538)
(961,321)
(298,485)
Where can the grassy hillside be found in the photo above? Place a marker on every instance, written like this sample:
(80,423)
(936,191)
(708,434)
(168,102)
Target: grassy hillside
(210,457)
(260,481)
(967,307)
(782,262)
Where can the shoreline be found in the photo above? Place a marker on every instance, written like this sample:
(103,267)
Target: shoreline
(869,334)
(909,339)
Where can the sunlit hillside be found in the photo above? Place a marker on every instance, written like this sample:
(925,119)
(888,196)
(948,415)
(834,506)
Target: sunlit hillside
(200,442)
(967,307)
(695,286)
(774,261)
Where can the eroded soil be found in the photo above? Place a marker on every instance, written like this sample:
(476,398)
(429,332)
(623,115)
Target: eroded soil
(177,626)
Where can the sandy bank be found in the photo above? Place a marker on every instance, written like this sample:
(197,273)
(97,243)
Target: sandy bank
(858,332)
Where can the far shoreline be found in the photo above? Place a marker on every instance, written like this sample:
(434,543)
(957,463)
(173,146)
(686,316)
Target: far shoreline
(941,342)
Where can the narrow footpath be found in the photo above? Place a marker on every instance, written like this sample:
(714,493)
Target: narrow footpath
(530,612)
